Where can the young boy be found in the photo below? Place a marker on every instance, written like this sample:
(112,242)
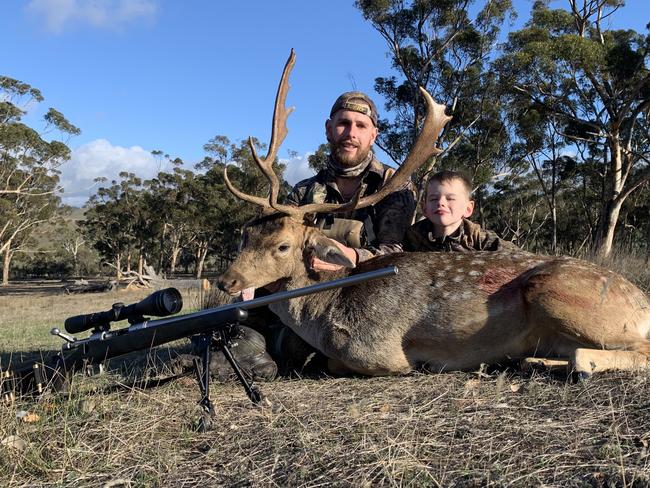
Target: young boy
(447,206)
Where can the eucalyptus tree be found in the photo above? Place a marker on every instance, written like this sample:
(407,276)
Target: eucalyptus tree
(116,222)
(440,46)
(218,216)
(318,160)
(29,182)
(166,199)
(595,82)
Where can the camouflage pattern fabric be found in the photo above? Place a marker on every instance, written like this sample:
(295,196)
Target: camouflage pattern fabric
(468,237)
(388,220)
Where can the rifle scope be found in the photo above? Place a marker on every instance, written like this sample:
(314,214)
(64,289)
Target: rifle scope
(159,304)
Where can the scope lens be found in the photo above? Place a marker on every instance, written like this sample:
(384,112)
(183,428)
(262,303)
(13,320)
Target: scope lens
(172,301)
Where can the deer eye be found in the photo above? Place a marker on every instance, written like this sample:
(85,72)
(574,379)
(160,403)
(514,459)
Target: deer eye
(283,247)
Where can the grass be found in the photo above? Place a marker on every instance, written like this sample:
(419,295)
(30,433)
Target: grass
(502,428)
(633,264)
(421,430)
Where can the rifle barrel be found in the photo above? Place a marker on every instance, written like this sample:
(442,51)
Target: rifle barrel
(308,290)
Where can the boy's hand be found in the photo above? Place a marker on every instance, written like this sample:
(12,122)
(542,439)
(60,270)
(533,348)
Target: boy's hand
(320,265)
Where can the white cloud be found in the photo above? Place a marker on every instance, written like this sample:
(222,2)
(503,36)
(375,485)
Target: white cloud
(100,158)
(297,169)
(57,14)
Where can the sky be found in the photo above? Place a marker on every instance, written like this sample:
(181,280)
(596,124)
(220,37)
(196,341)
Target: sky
(143,75)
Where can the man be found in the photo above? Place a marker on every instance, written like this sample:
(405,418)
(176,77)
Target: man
(447,206)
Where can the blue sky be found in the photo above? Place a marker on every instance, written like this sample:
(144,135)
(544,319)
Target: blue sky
(140,75)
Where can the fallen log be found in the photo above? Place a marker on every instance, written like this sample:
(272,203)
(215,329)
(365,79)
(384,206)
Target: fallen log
(82,286)
(201,284)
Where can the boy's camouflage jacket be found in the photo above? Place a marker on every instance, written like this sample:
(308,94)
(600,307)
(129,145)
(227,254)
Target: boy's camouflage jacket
(468,237)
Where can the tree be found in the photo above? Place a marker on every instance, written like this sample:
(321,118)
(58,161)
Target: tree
(116,222)
(166,200)
(439,46)
(28,167)
(318,160)
(596,83)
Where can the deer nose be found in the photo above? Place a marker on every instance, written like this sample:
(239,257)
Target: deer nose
(227,282)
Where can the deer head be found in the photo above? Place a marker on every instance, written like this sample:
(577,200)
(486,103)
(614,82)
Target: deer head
(275,247)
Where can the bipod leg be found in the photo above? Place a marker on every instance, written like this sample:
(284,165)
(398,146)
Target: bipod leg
(251,390)
(203,378)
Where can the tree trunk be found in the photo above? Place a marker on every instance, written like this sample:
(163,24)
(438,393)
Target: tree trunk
(75,263)
(612,206)
(201,253)
(173,259)
(553,201)
(161,244)
(607,227)
(554,231)
(118,267)
(5,265)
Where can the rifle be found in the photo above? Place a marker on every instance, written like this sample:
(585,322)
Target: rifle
(215,327)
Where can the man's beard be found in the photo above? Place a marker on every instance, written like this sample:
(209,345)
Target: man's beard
(346,160)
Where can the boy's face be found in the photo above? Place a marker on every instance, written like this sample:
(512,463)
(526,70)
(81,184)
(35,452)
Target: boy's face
(447,203)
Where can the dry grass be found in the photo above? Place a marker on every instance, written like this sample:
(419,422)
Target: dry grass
(460,429)
(433,430)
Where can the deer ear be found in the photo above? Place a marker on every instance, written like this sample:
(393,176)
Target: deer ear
(327,250)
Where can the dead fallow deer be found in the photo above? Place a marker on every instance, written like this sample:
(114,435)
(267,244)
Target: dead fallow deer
(443,311)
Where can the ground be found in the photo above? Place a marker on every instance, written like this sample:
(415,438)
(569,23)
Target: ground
(495,428)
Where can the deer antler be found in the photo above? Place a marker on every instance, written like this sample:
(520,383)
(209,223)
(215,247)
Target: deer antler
(422,150)
(278,133)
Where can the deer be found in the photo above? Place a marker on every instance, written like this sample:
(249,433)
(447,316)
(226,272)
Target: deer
(442,311)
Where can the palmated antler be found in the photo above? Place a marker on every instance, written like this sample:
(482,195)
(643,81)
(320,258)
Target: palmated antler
(422,150)
(278,134)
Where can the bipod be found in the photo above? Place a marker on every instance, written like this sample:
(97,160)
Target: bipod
(220,340)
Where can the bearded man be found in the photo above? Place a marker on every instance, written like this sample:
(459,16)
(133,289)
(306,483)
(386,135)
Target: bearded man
(351,131)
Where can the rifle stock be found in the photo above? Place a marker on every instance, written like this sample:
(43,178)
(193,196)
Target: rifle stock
(103,343)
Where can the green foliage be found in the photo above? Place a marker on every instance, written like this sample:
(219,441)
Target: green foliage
(318,160)
(180,217)
(439,46)
(57,119)
(575,85)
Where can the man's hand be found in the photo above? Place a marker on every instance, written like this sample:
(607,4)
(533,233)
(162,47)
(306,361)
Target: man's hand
(320,265)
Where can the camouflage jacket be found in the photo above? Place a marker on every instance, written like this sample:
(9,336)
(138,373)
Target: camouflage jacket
(385,223)
(468,237)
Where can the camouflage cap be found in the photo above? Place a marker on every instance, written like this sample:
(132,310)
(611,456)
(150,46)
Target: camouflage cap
(357,102)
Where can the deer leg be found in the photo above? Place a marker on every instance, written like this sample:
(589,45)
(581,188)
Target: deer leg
(337,367)
(589,361)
